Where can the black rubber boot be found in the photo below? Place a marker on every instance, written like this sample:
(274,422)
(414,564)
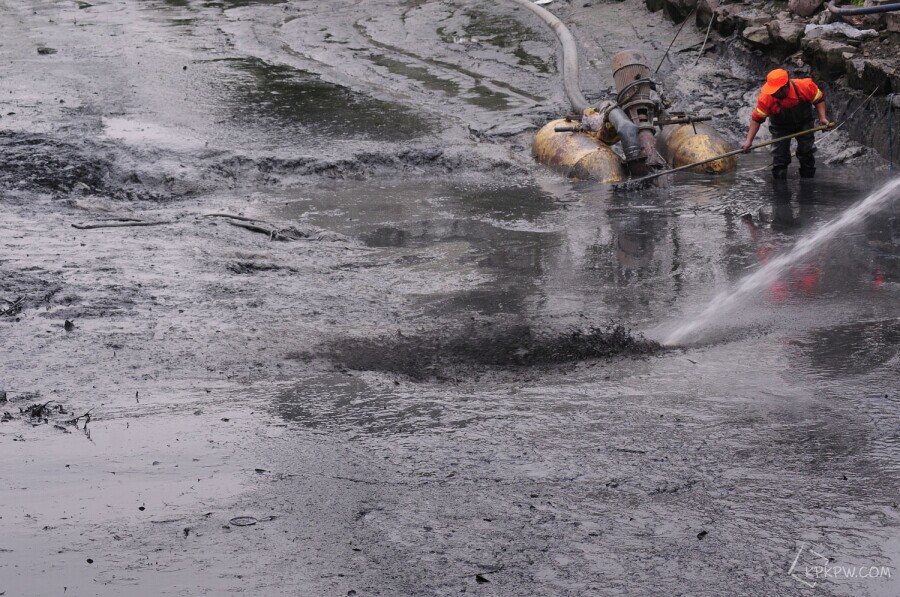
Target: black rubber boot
(779,173)
(807,172)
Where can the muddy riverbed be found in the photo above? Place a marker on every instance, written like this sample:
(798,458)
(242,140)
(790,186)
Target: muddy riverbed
(436,370)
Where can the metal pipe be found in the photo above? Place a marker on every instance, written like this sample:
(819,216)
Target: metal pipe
(628,134)
(682,120)
(861,10)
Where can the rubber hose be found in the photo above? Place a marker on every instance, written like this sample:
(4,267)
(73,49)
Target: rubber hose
(861,10)
(627,130)
(570,55)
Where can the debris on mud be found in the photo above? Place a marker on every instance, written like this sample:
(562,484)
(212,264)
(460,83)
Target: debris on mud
(251,267)
(282,233)
(14,307)
(49,412)
(117,223)
(437,356)
(288,233)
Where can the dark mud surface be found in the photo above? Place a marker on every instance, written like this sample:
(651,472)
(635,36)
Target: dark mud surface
(435,354)
(445,377)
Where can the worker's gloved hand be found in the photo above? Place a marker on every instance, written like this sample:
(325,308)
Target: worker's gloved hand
(824,122)
(746,146)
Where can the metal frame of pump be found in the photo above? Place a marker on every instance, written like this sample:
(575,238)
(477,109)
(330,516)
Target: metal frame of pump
(638,99)
(635,116)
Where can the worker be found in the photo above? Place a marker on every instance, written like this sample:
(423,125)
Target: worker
(788,104)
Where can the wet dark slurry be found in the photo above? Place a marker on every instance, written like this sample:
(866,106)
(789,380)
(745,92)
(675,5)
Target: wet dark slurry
(442,356)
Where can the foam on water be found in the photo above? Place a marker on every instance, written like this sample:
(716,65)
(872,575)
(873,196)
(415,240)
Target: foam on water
(751,284)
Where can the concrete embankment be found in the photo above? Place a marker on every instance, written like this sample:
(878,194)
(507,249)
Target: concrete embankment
(850,57)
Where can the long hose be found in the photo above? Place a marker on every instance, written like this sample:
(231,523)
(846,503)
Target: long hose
(861,10)
(570,55)
(627,130)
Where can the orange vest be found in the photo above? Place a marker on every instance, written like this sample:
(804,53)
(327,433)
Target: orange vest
(767,105)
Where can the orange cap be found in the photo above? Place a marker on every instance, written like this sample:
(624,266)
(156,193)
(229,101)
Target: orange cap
(777,79)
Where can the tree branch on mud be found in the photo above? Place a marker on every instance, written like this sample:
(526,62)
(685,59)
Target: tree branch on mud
(119,224)
(274,233)
(14,307)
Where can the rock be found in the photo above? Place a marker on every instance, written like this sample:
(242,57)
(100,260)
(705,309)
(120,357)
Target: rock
(882,74)
(867,74)
(854,68)
(826,55)
(678,10)
(823,18)
(846,155)
(804,8)
(724,16)
(786,35)
(753,16)
(732,18)
(706,9)
(757,35)
(839,31)
(797,63)
(892,21)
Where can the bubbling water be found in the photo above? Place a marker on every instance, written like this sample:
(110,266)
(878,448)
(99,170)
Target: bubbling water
(770,272)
